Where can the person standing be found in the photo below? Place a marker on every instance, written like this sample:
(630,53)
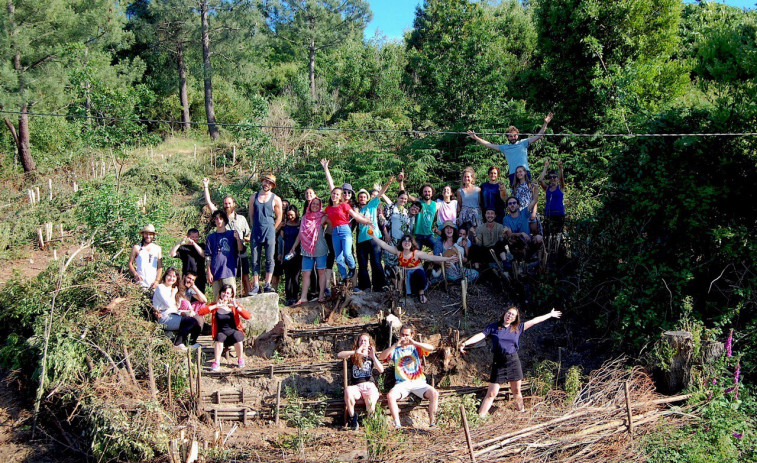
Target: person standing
(468,200)
(222,247)
(493,194)
(424,223)
(192,256)
(146,260)
(266,212)
(516,152)
(554,209)
(367,249)
(238,223)
(506,367)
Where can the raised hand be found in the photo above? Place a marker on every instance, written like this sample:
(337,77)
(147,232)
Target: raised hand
(548,118)
(205,182)
(325,163)
(555,314)
(401,176)
(546,163)
(471,134)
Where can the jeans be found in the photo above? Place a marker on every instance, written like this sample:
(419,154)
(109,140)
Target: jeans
(257,248)
(370,250)
(429,240)
(415,280)
(342,239)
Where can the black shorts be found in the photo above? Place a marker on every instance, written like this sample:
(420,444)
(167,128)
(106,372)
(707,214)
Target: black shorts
(506,369)
(229,337)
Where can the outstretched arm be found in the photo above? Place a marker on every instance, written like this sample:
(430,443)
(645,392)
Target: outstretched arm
(325,164)
(542,130)
(384,246)
(205,183)
(386,186)
(432,258)
(472,135)
(535,321)
(541,180)
(476,338)
(360,218)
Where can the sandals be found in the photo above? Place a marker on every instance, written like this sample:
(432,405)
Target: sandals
(299,303)
(422,298)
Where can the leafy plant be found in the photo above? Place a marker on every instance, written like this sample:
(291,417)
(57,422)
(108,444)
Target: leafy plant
(378,436)
(448,415)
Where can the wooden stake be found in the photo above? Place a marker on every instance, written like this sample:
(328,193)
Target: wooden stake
(271,371)
(36,189)
(49,231)
(170,389)
(189,374)
(233,155)
(61,231)
(344,374)
(41,240)
(55,254)
(195,152)
(76,187)
(50,188)
(31,196)
(199,377)
(151,376)
(628,409)
(278,402)
(467,433)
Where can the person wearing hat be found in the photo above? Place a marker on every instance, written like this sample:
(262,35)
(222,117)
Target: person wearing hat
(367,249)
(266,212)
(146,261)
(238,223)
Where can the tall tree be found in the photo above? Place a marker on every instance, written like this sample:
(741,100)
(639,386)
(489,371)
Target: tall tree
(207,72)
(463,57)
(37,44)
(316,25)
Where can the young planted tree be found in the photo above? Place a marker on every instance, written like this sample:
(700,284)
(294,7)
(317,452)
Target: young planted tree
(38,42)
(316,25)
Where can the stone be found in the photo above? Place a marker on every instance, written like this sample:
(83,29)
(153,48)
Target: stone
(264,309)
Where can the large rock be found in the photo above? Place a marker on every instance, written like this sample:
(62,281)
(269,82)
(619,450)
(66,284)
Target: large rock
(265,312)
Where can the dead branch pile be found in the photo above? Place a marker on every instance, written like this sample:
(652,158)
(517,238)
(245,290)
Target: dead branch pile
(595,427)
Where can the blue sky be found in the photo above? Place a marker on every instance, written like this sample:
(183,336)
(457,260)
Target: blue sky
(393,17)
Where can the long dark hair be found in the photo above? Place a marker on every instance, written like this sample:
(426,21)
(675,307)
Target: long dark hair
(179,285)
(357,359)
(414,245)
(516,323)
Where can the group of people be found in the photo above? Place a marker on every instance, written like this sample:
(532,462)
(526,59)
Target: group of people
(457,233)
(407,354)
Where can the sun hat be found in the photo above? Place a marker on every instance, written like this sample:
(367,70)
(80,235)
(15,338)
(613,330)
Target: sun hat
(270,177)
(347,187)
(149,228)
(448,223)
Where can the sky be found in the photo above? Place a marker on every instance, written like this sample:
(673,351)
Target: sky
(394,17)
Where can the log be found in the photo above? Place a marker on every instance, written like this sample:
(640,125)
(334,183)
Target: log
(467,433)
(628,408)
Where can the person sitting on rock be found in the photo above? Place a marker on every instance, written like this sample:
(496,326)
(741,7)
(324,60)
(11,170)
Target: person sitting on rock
(226,325)
(362,362)
(517,231)
(489,239)
(406,355)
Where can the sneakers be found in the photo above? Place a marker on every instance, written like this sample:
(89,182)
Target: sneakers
(196,345)
(327,293)
(268,289)
(351,274)
(358,291)
(240,363)
(353,422)
(215,366)
(255,290)
(180,347)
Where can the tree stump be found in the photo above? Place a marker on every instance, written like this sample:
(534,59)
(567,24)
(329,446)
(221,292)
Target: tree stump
(677,374)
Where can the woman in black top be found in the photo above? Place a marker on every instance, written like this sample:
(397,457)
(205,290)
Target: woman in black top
(362,361)
(506,365)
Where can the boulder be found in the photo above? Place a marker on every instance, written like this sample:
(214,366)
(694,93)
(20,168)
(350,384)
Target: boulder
(264,309)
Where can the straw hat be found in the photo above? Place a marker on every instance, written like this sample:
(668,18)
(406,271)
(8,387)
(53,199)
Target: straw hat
(363,190)
(270,177)
(149,228)
(448,223)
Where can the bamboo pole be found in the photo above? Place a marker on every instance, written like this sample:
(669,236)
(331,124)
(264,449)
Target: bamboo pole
(41,239)
(189,374)
(151,376)
(467,434)
(199,377)
(344,374)
(628,409)
(50,188)
(278,402)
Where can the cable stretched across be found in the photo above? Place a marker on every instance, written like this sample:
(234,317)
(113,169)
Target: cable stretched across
(407,132)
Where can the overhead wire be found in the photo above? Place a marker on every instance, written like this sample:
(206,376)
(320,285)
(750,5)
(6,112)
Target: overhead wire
(397,131)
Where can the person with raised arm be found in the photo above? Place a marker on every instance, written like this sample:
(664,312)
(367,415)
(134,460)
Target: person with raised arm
(411,259)
(406,356)
(238,223)
(266,213)
(554,209)
(367,250)
(226,325)
(362,361)
(516,152)
(192,256)
(527,193)
(339,213)
(504,335)
(146,260)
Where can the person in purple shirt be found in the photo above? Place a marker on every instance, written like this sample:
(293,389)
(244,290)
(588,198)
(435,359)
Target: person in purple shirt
(554,209)
(222,247)
(516,152)
(504,335)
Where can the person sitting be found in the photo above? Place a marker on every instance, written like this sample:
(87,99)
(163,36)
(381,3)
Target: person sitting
(146,260)
(226,325)
(489,239)
(517,231)
(406,355)
(451,246)
(362,362)
(411,259)
(165,303)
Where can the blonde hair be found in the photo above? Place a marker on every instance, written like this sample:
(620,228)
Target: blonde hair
(472,173)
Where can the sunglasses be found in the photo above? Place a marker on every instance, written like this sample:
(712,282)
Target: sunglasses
(510,203)
(552,176)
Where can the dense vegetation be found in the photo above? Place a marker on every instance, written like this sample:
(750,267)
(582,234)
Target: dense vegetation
(661,225)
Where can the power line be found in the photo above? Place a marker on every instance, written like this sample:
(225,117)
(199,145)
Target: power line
(407,132)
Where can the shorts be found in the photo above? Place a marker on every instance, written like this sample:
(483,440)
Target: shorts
(307,263)
(419,387)
(506,369)
(366,390)
(229,338)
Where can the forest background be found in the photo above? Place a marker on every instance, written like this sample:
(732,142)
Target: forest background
(662,226)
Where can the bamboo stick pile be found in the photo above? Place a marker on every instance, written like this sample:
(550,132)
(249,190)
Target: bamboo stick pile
(329,331)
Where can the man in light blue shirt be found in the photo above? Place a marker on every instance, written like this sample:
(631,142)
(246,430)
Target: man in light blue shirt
(516,152)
